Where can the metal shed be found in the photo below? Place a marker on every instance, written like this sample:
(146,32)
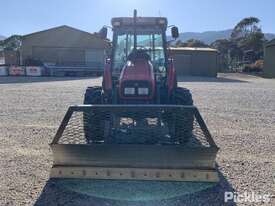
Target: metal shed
(195,61)
(66,47)
(269,59)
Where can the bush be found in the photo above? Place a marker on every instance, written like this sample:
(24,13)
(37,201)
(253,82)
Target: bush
(255,67)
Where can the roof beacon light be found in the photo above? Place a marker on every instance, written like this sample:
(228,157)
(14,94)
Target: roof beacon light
(162,21)
(116,23)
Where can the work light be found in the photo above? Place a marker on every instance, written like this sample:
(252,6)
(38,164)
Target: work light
(116,23)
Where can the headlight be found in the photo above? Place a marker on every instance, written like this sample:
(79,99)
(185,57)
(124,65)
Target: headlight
(129,91)
(143,91)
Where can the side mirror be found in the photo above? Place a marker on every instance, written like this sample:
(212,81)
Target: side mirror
(175,32)
(103,32)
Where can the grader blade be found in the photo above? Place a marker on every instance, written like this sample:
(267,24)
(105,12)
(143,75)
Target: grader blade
(123,153)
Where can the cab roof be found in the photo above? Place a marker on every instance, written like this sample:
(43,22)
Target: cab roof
(141,21)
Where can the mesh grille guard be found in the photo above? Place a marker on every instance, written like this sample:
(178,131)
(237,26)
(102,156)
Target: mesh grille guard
(74,157)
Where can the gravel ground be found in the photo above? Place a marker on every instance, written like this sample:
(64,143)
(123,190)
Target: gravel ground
(238,109)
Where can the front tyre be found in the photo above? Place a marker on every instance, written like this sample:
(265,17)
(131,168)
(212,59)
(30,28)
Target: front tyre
(93,121)
(180,123)
(183,119)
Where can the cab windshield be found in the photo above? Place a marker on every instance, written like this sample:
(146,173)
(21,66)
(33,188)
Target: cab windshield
(151,43)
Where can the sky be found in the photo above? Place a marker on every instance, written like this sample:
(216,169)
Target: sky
(27,16)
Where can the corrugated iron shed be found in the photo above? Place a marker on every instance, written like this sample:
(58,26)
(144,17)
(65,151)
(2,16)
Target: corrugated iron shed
(195,61)
(269,59)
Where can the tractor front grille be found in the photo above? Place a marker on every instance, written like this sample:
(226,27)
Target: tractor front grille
(136,85)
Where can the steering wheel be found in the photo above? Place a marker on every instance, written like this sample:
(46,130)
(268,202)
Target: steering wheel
(139,54)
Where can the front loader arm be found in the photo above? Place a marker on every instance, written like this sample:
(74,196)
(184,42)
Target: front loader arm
(171,77)
(107,84)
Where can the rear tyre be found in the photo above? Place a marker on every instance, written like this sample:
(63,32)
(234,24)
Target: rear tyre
(93,121)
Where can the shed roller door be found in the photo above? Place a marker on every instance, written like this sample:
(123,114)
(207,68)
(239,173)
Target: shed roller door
(95,56)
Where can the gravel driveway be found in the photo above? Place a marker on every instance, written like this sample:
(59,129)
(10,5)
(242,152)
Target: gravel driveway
(238,109)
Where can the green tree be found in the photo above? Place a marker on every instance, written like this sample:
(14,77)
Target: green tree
(222,45)
(191,43)
(245,27)
(11,43)
(228,50)
(247,35)
(179,43)
(254,42)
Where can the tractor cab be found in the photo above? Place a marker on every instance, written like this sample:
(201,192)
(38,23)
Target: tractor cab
(147,35)
(139,62)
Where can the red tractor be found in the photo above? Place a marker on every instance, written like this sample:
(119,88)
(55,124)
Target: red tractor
(139,125)
(139,72)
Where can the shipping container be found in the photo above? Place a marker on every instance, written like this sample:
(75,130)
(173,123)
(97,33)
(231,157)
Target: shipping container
(4,71)
(35,71)
(17,71)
